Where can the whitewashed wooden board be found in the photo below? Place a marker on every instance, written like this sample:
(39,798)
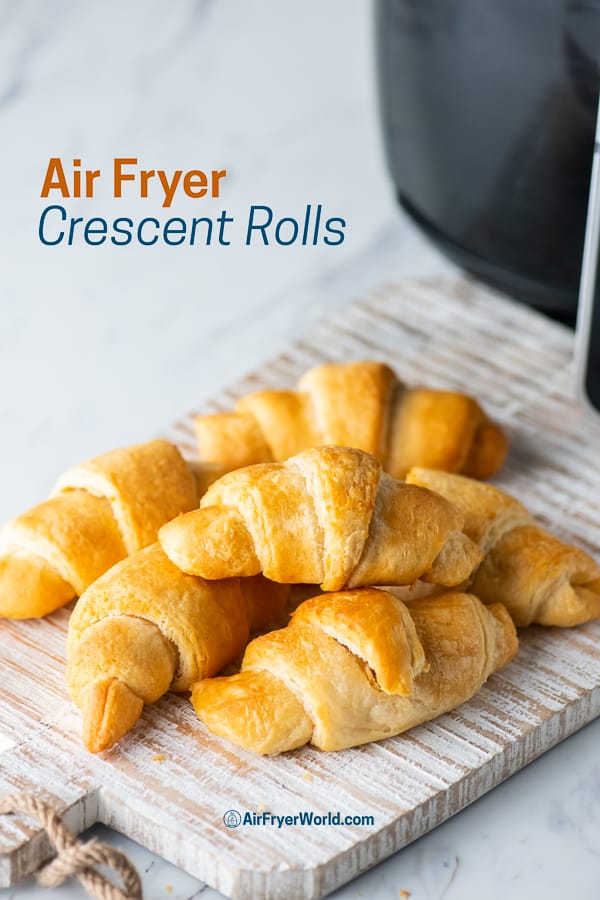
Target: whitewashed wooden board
(168,783)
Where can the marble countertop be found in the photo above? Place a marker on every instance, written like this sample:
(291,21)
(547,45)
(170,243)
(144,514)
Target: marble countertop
(101,346)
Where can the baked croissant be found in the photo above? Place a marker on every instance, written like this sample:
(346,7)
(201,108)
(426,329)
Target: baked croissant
(98,513)
(350,668)
(327,516)
(360,404)
(538,577)
(145,627)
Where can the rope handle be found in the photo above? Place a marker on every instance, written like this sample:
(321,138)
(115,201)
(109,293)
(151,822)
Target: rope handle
(74,857)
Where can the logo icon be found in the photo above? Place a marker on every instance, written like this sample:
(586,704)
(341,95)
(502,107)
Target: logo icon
(232,818)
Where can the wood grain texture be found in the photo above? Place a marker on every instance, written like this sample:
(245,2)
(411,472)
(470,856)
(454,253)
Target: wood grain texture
(168,783)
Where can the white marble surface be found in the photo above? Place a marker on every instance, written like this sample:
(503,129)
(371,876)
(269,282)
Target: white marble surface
(104,346)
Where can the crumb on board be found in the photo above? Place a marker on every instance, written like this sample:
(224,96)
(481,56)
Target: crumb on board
(307,776)
(158,757)
(404,894)
(168,888)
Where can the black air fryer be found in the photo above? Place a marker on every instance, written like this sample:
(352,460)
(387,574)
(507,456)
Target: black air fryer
(489,109)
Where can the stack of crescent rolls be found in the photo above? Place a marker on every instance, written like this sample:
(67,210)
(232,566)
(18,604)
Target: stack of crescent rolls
(352,483)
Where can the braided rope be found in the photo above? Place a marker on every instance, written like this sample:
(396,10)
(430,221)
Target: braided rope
(76,858)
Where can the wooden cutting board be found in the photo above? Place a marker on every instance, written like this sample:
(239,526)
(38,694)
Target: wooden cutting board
(168,784)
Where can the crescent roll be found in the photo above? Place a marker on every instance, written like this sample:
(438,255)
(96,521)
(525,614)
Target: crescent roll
(360,404)
(540,578)
(145,627)
(357,666)
(327,516)
(98,513)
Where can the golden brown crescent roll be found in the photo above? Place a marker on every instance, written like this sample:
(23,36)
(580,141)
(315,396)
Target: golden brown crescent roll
(360,404)
(98,513)
(350,668)
(327,516)
(144,628)
(538,577)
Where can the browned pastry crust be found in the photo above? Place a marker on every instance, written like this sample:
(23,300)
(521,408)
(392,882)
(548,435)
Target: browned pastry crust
(327,516)
(98,513)
(360,404)
(350,668)
(539,578)
(145,627)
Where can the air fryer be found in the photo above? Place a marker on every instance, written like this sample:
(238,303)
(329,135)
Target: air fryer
(488,112)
